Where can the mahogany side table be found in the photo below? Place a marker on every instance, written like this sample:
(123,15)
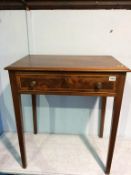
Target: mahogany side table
(68,75)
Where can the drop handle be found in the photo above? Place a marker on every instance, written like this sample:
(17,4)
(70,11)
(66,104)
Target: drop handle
(32,83)
(98,85)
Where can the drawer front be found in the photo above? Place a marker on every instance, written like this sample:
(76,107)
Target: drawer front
(55,82)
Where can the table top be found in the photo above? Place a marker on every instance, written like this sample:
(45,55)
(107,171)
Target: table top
(88,63)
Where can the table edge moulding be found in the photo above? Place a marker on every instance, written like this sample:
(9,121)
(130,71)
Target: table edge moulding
(68,75)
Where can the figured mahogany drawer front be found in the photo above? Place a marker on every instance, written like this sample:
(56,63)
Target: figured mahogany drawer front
(66,82)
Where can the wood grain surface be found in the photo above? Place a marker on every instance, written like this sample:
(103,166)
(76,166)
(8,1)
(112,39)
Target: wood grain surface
(68,63)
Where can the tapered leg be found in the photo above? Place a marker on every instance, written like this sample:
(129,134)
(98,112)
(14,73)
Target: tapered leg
(18,117)
(34,113)
(102,119)
(115,120)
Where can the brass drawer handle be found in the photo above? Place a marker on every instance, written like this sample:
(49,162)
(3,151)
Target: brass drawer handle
(99,85)
(32,83)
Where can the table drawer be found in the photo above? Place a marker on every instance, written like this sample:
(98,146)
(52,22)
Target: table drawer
(53,82)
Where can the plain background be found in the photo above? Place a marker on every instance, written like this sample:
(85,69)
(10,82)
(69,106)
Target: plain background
(69,32)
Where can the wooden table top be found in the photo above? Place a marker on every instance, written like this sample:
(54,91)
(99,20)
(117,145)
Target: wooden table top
(68,63)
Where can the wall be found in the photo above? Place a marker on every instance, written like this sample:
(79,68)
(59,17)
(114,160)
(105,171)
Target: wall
(72,33)
(1,123)
(1,127)
(13,45)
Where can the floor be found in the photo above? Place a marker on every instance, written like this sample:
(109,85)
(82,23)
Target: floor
(63,155)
